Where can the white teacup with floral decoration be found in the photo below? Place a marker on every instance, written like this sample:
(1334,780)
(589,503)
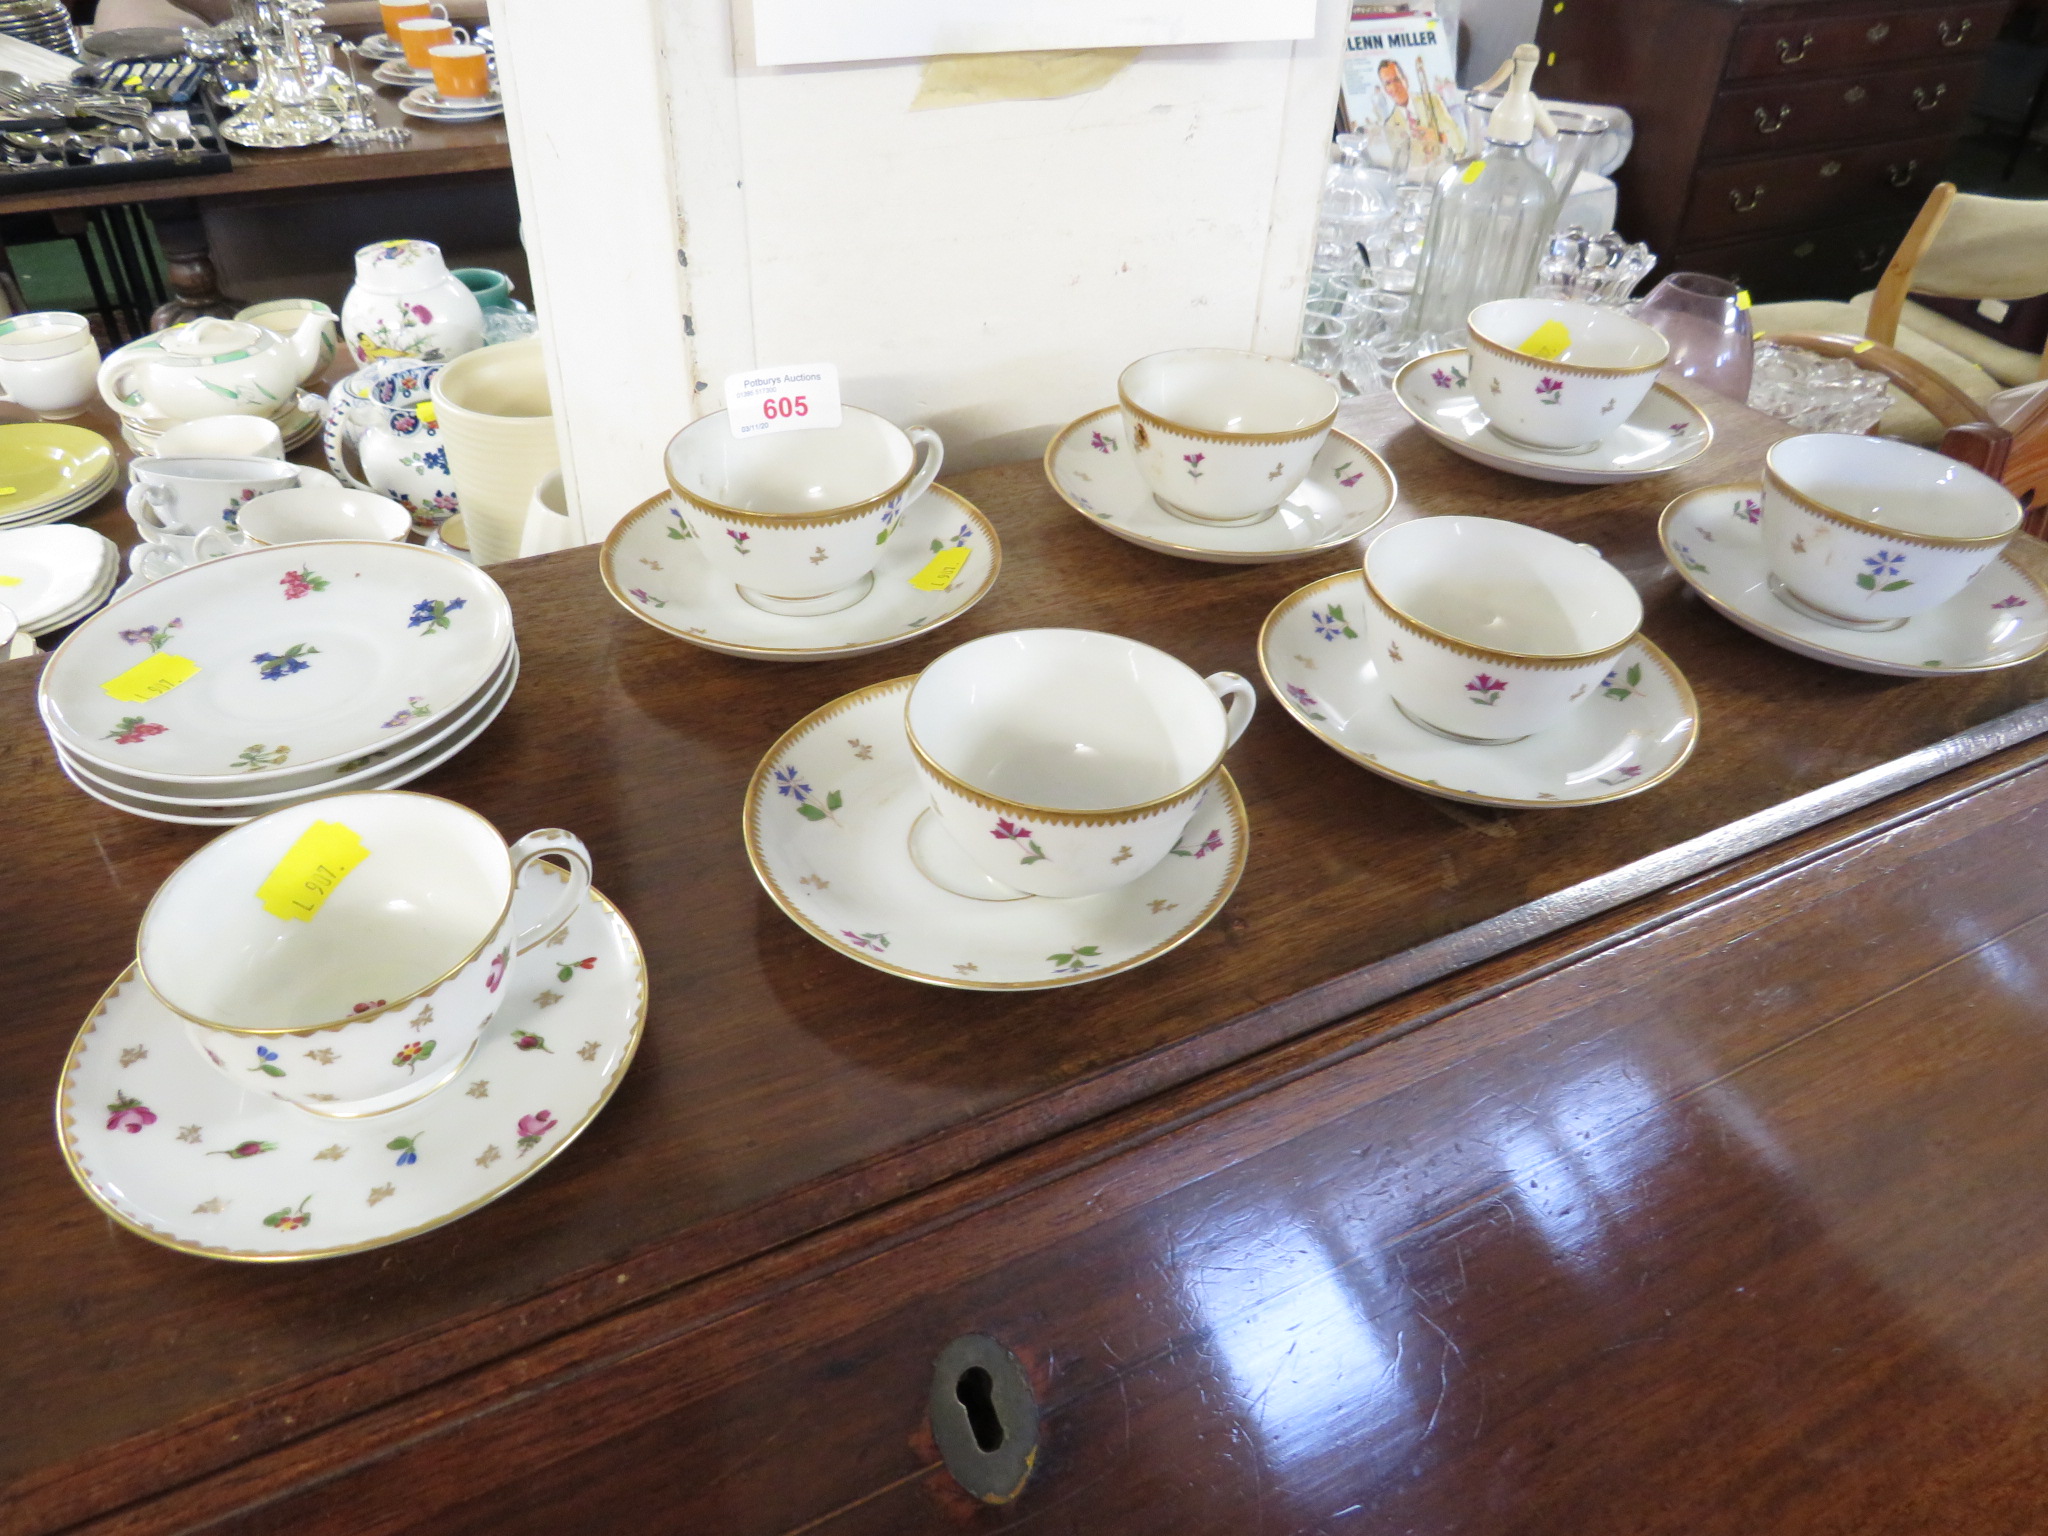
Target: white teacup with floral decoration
(1863,532)
(1560,375)
(1064,762)
(368,999)
(1488,631)
(796,520)
(1223,437)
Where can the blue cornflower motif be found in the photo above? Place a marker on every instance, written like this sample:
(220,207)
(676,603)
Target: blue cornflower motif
(1884,563)
(786,784)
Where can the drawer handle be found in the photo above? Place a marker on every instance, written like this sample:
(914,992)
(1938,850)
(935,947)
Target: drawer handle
(1902,175)
(1923,101)
(1961,32)
(1735,200)
(1879,33)
(1832,168)
(1785,53)
(1765,123)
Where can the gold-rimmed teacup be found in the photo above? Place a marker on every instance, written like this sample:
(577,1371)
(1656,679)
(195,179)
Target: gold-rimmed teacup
(796,520)
(1223,437)
(1488,631)
(1864,532)
(343,955)
(1560,375)
(1063,762)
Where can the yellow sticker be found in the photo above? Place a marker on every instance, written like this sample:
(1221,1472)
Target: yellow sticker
(938,574)
(1742,298)
(1473,172)
(1549,341)
(149,679)
(427,412)
(310,870)
(10,581)
(1550,58)
(1863,346)
(8,490)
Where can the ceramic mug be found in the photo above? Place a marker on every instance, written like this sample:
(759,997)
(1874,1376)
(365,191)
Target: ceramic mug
(222,437)
(1220,436)
(186,495)
(797,520)
(395,13)
(1064,762)
(301,515)
(419,35)
(344,954)
(1864,532)
(1489,631)
(462,71)
(49,363)
(1597,365)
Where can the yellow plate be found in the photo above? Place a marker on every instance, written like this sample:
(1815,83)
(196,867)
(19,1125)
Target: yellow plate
(45,461)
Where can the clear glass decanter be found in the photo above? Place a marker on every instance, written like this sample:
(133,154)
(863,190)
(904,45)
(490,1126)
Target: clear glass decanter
(1493,218)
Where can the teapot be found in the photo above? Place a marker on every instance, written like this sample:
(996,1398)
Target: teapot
(406,303)
(385,413)
(307,326)
(204,367)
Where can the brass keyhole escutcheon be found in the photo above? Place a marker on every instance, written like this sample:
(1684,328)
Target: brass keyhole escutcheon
(984,1418)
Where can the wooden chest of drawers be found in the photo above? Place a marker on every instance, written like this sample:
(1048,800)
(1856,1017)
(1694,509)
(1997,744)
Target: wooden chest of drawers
(1783,144)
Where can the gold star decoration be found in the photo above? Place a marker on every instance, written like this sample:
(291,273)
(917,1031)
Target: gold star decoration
(211,1207)
(383,1192)
(1121,854)
(815,882)
(547,999)
(324,1098)
(489,1156)
(1306,662)
(1163,905)
(325,1056)
(818,555)
(588,1050)
(133,1054)
(967,968)
(188,1133)
(480,1089)
(861,749)
(559,938)
(333,1154)
(423,1018)
(652,565)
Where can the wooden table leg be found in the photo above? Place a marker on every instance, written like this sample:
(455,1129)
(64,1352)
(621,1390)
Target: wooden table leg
(195,286)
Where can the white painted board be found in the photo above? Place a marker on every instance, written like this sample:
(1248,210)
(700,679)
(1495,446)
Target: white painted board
(838,31)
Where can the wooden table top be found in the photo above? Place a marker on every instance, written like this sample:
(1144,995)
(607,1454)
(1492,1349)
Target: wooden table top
(780,1087)
(436,149)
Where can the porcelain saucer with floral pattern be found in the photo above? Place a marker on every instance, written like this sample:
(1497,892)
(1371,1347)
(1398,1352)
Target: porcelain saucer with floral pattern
(833,813)
(1666,432)
(171,1150)
(937,563)
(1712,539)
(1348,490)
(1637,729)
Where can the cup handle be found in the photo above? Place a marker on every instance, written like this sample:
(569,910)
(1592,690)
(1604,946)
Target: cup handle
(341,431)
(1242,699)
(113,385)
(216,541)
(570,847)
(147,516)
(926,442)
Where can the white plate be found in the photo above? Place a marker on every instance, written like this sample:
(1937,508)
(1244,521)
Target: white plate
(380,47)
(846,876)
(397,72)
(1666,432)
(382,776)
(315,647)
(418,104)
(92,603)
(1636,731)
(1999,620)
(431,98)
(1348,490)
(47,572)
(173,1151)
(651,564)
(271,782)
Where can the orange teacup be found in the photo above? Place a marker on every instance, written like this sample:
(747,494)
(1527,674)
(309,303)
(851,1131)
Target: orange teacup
(462,71)
(422,34)
(397,12)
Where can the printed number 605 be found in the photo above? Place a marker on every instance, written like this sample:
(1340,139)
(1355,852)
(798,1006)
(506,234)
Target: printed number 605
(780,406)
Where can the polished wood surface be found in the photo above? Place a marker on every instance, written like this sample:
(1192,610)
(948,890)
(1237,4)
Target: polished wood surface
(782,1089)
(436,149)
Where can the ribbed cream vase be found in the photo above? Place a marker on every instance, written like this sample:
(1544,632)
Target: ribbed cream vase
(498,425)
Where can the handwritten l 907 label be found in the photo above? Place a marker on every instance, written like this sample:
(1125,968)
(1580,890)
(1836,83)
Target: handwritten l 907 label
(940,570)
(787,399)
(1549,341)
(150,678)
(310,870)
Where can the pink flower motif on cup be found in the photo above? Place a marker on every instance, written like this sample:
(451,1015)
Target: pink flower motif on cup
(1194,464)
(499,961)
(1486,690)
(534,1126)
(130,729)
(1010,832)
(128,1114)
(2013,600)
(1100,443)
(1201,850)
(1550,390)
(874,943)
(1748,510)
(739,540)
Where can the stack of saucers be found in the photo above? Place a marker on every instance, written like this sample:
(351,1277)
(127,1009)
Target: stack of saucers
(250,683)
(297,418)
(49,471)
(51,577)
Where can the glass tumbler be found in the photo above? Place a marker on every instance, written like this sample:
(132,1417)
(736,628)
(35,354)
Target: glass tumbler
(1707,324)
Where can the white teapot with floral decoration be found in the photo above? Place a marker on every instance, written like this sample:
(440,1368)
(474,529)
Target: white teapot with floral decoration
(386,413)
(406,303)
(203,368)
